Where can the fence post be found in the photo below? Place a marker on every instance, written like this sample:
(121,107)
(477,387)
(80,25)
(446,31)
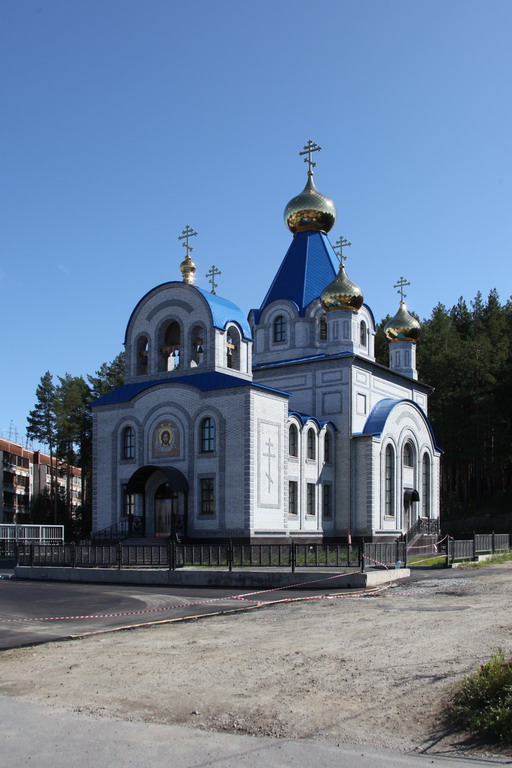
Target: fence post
(230,555)
(447,564)
(118,555)
(474,545)
(73,554)
(16,552)
(293,556)
(493,542)
(31,555)
(362,556)
(405,550)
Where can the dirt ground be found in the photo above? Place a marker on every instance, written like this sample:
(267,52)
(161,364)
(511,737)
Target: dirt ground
(373,670)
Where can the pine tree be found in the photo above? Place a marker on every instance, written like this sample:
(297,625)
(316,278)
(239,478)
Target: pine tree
(42,426)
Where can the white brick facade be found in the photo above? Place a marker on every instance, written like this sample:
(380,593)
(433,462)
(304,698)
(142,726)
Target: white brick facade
(304,435)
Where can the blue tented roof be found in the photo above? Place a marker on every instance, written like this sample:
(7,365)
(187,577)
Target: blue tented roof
(305,271)
(205,382)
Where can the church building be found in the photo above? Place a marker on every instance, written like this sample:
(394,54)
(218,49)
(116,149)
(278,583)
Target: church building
(274,427)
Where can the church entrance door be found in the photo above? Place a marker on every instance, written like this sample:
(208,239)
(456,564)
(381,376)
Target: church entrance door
(166,510)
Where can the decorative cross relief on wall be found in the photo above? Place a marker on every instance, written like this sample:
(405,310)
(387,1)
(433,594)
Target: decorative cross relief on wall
(269,473)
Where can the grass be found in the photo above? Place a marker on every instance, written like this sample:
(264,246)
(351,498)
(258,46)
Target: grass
(422,560)
(482,704)
(504,557)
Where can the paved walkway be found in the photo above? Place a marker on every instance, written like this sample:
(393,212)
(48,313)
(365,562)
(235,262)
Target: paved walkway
(32,734)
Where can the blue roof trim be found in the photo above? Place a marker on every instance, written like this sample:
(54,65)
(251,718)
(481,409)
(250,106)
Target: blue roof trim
(222,310)
(304,418)
(336,356)
(305,271)
(377,419)
(205,382)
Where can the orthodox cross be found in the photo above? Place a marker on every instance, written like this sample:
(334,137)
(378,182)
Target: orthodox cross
(270,456)
(212,274)
(187,232)
(309,148)
(400,284)
(338,247)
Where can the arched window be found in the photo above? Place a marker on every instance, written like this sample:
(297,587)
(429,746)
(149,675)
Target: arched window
(408,455)
(233,348)
(425,485)
(171,348)
(280,328)
(197,346)
(207,435)
(327,448)
(362,333)
(293,441)
(142,355)
(323,327)
(311,444)
(389,490)
(128,444)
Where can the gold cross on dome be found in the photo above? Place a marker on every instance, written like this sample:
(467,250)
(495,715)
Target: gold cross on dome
(309,148)
(212,274)
(338,247)
(187,232)
(400,284)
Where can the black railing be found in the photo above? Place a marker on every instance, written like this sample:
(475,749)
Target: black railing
(171,555)
(231,555)
(479,544)
(129,526)
(423,527)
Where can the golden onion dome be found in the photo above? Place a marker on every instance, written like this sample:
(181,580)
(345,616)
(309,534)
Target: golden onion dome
(342,293)
(403,326)
(188,270)
(310,210)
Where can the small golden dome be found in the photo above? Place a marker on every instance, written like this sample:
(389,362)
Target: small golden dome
(188,270)
(342,293)
(403,326)
(310,210)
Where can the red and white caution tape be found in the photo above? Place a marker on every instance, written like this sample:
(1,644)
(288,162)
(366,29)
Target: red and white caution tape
(243,597)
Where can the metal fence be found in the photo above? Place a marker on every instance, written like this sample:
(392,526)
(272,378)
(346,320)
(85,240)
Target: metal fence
(479,544)
(230,555)
(227,555)
(12,534)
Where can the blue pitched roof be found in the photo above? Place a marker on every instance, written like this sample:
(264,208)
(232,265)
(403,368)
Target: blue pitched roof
(305,271)
(222,310)
(205,382)
(377,419)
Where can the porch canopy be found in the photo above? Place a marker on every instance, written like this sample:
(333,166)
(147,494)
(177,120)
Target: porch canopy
(175,478)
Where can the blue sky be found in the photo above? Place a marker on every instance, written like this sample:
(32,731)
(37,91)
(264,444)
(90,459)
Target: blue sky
(122,121)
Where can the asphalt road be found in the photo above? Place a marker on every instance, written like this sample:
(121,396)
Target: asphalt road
(36,612)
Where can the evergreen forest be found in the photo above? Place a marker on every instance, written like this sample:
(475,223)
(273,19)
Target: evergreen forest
(464,353)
